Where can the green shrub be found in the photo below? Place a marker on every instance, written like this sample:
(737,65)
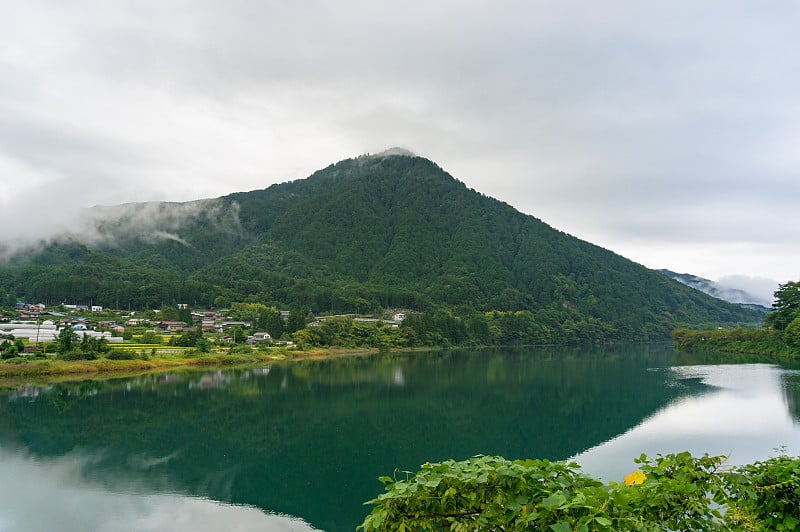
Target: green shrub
(77,355)
(671,492)
(121,354)
(766,495)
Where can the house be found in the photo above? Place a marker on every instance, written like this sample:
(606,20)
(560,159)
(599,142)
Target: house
(75,320)
(242,324)
(211,326)
(287,343)
(171,326)
(261,337)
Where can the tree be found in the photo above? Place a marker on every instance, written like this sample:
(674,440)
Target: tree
(786,306)
(187,339)
(66,340)
(272,322)
(185,315)
(792,333)
(203,345)
(296,321)
(170,313)
(7,349)
(150,337)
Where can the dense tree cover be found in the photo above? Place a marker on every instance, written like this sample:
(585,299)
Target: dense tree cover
(71,346)
(780,337)
(672,492)
(367,234)
(346,332)
(10,347)
(786,307)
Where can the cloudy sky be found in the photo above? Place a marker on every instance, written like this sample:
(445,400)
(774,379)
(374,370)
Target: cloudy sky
(668,132)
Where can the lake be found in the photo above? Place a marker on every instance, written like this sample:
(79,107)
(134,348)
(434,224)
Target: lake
(299,446)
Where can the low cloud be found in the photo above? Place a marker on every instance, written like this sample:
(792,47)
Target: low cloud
(106,226)
(760,288)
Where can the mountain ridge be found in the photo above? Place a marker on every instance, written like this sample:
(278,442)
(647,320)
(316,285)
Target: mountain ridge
(364,233)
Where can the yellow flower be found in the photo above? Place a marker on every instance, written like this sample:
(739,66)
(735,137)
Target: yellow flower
(637,477)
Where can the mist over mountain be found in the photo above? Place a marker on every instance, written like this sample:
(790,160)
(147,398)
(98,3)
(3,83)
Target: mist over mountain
(386,230)
(727,291)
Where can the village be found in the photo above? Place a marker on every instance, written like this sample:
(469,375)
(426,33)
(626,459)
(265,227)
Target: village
(32,328)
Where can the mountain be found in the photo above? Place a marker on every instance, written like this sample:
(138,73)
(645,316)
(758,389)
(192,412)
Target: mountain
(715,289)
(388,230)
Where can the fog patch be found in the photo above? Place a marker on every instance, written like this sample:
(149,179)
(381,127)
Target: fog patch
(760,289)
(110,226)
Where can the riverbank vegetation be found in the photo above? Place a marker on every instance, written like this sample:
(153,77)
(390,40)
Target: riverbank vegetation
(780,336)
(671,492)
(51,366)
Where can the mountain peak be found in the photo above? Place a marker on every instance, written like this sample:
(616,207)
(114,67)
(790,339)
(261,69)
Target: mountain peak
(391,152)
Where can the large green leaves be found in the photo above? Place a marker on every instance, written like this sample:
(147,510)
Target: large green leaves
(671,492)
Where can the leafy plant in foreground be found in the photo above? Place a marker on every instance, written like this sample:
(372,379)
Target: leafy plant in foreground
(766,495)
(671,492)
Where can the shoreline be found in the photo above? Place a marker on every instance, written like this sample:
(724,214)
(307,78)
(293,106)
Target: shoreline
(54,370)
(40,371)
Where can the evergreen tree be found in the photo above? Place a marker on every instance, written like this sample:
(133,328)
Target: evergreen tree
(66,340)
(296,320)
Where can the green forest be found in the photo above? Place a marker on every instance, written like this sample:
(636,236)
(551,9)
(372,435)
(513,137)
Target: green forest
(367,234)
(779,337)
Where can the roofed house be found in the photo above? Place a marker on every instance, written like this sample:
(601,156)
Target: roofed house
(171,326)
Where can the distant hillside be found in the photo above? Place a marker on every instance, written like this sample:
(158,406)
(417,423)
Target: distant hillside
(712,288)
(391,230)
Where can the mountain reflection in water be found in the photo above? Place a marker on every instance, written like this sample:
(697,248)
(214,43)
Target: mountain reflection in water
(309,439)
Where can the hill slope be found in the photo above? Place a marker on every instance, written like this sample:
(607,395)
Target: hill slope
(370,232)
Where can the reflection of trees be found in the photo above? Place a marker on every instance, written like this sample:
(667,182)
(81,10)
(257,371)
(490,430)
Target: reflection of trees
(791,393)
(309,438)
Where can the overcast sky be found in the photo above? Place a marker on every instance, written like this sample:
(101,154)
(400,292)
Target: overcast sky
(668,132)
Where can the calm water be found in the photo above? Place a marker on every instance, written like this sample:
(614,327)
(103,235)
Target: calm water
(299,446)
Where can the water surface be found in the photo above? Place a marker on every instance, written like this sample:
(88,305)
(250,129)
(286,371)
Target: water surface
(299,446)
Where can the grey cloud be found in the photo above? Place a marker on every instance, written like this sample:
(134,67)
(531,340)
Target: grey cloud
(621,121)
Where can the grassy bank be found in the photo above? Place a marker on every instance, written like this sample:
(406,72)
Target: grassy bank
(21,369)
(761,342)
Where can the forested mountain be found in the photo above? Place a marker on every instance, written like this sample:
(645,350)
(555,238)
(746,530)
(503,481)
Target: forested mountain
(365,233)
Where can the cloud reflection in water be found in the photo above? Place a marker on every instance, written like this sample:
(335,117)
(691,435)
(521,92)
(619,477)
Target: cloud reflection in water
(49,494)
(745,404)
